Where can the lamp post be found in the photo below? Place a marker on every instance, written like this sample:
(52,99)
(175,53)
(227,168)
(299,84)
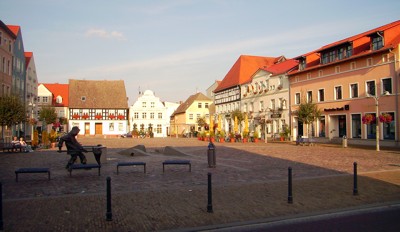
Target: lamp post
(376,98)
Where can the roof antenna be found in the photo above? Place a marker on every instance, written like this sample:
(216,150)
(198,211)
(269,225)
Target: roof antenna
(139,91)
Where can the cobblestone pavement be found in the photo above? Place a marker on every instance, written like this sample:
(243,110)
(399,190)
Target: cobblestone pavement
(249,183)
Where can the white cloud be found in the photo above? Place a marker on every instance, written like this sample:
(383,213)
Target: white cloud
(101,33)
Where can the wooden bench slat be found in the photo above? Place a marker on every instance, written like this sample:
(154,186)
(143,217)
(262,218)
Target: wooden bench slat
(131,164)
(83,166)
(177,162)
(31,170)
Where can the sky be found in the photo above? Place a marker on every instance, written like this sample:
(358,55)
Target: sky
(177,48)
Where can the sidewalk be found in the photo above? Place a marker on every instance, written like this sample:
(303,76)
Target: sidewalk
(249,183)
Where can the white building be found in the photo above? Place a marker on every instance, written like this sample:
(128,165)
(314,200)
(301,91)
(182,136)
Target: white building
(148,113)
(266,98)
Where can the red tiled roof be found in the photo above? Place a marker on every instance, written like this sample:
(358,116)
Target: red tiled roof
(7,30)
(362,48)
(58,90)
(28,56)
(14,29)
(243,69)
(283,67)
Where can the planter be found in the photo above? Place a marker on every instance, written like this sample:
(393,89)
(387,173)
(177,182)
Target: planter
(232,140)
(282,138)
(244,140)
(221,140)
(53,145)
(255,140)
(212,140)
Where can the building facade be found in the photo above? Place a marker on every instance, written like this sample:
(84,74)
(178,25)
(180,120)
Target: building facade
(7,38)
(348,80)
(31,87)
(150,114)
(184,119)
(265,98)
(98,108)
(228,94)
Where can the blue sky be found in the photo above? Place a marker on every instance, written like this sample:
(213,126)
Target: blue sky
(177,47)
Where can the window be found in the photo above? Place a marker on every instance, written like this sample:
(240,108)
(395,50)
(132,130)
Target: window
(356,126)
(302,63)
(308,76)
(251,107)
(337,69)
(321,95)
(377,42)
(353,65)
(338,92)
(332,56)
(59,99)
(136,115)
(309,96)
(387,85)
(297,99)
(152,104)
(245,107)
(198,116)
(206,105)
(261,105)
(389,128)
(45,99)
(349,50)
(152,115)
(159,129)
(320,73)
(144,115)
(272,104)
(353,90)
(159,115)
(191,116)
(143,104)
(199,105)
(369,62)
(370,88)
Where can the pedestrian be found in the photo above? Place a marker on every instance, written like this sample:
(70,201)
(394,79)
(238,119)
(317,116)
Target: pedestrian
(24,145)
(74,148)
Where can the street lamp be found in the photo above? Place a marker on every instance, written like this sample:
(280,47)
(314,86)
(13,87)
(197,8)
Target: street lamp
(376,98)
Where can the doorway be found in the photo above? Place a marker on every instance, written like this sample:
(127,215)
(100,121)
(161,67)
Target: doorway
(98,128)
(342,126)
(87,128)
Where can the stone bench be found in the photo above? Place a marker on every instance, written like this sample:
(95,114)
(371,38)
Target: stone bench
(306,141)
(177,162)
(120,164)
(83,166)
(31,170)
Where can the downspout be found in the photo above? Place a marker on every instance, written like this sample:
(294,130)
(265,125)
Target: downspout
(397,97)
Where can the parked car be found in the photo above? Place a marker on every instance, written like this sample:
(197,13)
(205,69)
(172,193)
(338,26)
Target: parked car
(127,135)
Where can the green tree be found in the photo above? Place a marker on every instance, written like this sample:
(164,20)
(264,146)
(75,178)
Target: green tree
(12,111)
(48,115)
(308,113)
(201,121)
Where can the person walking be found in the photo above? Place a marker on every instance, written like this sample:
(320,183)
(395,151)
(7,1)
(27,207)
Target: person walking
(74,148)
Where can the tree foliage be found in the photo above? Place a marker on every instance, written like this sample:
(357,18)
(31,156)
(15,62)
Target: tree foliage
(201,121)
(48,114)
(238,114)
(12,111)
(308,112)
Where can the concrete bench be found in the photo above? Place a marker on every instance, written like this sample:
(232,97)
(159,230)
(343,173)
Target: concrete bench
(177,162)
(83,166)
(31,170)
(120,164)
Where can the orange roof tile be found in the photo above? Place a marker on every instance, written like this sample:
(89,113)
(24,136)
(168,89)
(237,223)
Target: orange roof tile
(59,90)
(243,69)
(28,56)
(283,67)
(14,29)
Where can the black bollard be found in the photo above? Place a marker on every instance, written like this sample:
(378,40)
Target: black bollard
(109,214)
(209,205)
(1,207)
(355,189)
(290,195)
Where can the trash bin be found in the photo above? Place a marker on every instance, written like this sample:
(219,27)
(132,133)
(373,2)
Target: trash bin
(99,154)
(344,141)
(211,155)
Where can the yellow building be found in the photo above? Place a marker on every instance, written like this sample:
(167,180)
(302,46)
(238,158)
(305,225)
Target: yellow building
(184,119)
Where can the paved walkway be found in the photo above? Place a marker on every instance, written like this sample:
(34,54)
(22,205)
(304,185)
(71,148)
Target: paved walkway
(249,183)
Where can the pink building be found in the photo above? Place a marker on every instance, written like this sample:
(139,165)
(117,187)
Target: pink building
(348,80)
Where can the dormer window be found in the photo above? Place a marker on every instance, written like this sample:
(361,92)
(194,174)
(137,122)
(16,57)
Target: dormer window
(83,98)
(58,99)
(377,41)
(302,63)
